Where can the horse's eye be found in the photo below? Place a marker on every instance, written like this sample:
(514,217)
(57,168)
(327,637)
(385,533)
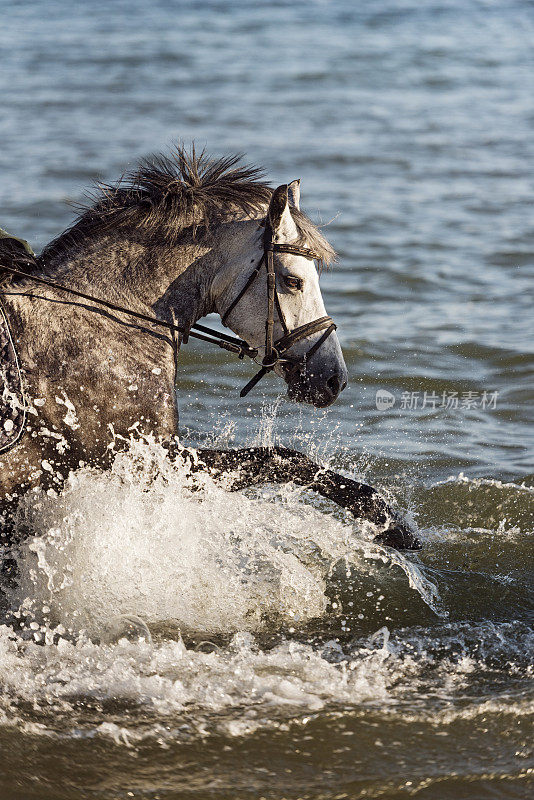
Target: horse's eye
(293,283)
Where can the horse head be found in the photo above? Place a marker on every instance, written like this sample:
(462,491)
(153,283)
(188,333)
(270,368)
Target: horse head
(277,285)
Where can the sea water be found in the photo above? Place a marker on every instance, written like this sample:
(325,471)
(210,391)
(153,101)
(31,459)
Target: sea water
(169,643)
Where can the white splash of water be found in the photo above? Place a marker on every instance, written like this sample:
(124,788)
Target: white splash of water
(143,540)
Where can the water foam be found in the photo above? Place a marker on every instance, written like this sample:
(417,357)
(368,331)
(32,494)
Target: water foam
(164,691)
(238,688)
(461,478)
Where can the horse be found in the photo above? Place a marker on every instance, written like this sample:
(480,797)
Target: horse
(93,326)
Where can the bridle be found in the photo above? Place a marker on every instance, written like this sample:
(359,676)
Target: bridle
(275,351)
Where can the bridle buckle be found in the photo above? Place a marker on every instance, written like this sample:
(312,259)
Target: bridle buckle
(269,362)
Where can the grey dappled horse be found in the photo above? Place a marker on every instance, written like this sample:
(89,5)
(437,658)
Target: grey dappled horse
(185,236)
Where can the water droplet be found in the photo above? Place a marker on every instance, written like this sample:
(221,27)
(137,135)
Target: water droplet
(126,626)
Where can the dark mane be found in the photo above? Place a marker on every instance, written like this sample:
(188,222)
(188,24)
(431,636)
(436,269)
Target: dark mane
(167,195)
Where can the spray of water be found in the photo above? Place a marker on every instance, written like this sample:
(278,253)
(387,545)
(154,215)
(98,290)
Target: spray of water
(143,540)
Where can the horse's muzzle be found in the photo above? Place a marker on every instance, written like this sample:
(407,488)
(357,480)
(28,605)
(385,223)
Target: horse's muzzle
(319,390)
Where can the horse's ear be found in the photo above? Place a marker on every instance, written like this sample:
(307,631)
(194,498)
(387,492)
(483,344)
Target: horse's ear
(293,193)
(279,215)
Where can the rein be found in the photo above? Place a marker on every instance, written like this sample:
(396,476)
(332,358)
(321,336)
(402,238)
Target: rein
(274,350)
(230,343)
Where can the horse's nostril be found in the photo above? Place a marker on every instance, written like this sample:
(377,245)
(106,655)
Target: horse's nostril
(334,384)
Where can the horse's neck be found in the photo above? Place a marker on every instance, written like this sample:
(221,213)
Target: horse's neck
(132,270)
(112,369)
(113,373)
(183,280)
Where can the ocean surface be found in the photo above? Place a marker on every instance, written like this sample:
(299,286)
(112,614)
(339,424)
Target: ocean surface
(258,645)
